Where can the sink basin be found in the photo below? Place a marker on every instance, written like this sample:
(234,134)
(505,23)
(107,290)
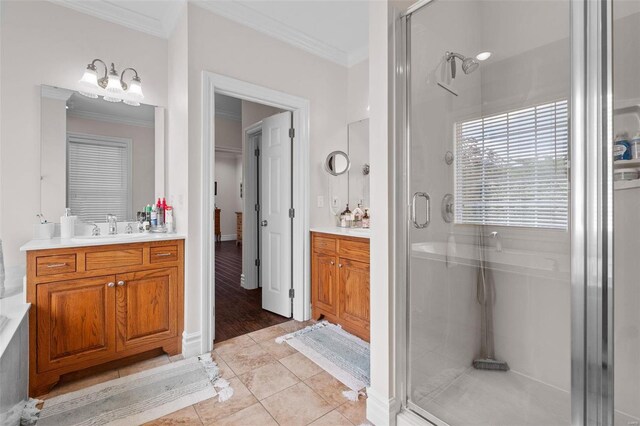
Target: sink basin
(107,237)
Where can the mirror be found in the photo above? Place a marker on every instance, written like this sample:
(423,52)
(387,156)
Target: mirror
(98,157)
(337,163)
(358,186)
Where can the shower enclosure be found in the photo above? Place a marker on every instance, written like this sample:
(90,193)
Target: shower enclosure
(519,249)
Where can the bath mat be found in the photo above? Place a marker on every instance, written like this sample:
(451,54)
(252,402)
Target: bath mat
(140,397)
(343,355)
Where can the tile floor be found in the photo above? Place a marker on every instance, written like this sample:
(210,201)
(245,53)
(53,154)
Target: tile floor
(273,385)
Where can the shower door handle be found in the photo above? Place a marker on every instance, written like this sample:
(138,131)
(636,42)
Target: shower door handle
(413,209)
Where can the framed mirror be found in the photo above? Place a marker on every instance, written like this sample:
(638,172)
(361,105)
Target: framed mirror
(99,157)
(337,163)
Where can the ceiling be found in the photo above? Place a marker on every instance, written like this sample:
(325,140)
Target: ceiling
(334,30)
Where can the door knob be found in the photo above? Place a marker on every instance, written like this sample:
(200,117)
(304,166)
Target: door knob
(263,223)
(111,284)
(120,283)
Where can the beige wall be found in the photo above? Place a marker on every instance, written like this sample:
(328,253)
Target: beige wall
(253,113)
(143,152)
(228,134)
(44,43)
(228,199)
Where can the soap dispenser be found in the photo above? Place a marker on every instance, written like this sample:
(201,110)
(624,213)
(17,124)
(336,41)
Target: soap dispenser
(67,224)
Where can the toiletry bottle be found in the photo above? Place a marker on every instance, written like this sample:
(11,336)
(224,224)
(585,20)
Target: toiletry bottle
(357,216)
(346,217)
(168,213)
(635,146)
(154,216)
(67,224)
(159,213)
(147,211)
(366,220)
(621,147)
(163,203)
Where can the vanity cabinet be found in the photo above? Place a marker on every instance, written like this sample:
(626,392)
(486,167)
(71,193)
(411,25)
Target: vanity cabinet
(340,281)
(98,304)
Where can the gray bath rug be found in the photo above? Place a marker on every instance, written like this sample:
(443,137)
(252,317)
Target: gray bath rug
(341,354)
(140,397)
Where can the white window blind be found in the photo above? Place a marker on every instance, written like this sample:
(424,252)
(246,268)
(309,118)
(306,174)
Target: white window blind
(98,177)
(511,168)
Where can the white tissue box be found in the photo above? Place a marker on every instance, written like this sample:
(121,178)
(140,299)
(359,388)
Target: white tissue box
(43,231)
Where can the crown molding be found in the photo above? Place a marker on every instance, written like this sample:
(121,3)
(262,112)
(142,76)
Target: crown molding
(255,20)
(117,14)
(108,118)
(57,93)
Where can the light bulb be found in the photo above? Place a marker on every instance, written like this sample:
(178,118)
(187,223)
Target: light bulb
(134,91)
(483,56)
(110,98)
(89,82)
(113,85)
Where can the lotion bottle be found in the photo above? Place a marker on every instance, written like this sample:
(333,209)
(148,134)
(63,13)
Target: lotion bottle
(67,224)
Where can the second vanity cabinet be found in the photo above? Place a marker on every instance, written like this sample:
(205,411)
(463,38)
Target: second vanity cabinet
(93,305)
(340,281)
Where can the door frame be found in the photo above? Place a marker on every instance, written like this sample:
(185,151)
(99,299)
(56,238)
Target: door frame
(213,83)
(591,212)
(250,240)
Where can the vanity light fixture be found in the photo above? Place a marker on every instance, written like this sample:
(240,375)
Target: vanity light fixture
(111,87)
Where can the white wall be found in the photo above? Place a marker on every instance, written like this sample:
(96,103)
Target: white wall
(221,46)
(228,174)
(43,43)
(358,92)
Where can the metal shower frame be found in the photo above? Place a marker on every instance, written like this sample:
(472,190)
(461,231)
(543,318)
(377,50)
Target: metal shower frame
(591,217)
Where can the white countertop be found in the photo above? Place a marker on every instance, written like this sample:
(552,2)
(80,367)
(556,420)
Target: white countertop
(84,241)
(347,232)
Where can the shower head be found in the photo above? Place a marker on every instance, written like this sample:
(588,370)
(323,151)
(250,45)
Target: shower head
(469,65)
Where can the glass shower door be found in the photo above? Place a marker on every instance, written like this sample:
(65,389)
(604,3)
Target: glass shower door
(488,246)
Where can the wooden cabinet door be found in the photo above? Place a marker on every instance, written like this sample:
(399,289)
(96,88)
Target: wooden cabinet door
(75,321)
(324,284)
(146,306)
(354,294)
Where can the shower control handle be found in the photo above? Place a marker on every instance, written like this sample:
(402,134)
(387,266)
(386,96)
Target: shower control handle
(413,210)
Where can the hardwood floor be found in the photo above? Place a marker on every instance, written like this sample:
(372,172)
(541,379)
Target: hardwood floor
(238,311)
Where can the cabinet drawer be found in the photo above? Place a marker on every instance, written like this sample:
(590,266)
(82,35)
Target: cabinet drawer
(161,254)
(324,244)
(110,259)
(56,264)
(354,250)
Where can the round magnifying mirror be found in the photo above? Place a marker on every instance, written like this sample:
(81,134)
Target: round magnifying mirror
(337,163)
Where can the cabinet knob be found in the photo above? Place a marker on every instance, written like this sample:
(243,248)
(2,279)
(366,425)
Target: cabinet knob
(111,284)
(120,283)
(339,265)
(333,263)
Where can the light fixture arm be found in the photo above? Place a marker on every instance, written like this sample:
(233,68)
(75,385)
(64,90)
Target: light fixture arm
(135,77)
(92,66)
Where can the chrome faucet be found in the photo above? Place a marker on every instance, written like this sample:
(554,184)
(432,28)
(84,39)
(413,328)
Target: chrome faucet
(113,224)
(496,236)
(95,231)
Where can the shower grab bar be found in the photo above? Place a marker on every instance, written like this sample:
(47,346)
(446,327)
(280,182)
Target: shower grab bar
(413,210)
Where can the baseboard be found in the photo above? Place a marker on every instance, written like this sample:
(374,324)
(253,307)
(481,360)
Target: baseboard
(230,237)
(381,411)
(191,344)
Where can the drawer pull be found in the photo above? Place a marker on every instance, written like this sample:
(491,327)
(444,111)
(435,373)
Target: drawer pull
(57,265)
(111,284)
(164,254)
(121,283)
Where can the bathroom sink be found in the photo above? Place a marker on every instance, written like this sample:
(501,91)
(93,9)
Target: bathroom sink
(107,237)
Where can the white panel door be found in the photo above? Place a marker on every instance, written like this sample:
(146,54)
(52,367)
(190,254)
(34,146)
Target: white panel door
(275,201)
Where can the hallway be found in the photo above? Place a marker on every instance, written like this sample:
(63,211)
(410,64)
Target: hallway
(238,311)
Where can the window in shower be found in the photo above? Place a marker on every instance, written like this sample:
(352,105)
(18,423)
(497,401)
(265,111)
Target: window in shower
(511,168)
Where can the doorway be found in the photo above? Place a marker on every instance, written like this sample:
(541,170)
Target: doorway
(295,285)
(252,200)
